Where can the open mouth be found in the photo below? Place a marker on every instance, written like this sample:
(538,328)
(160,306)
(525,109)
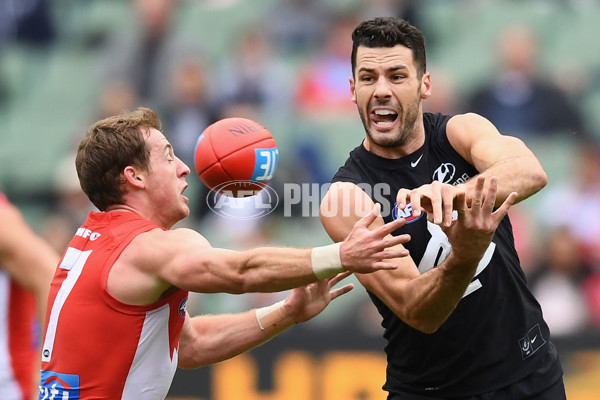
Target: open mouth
(384,118)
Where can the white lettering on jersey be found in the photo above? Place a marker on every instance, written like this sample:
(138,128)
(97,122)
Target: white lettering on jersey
(438,249)
(86,233)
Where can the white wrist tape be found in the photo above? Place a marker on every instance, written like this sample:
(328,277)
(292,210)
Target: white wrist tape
(273,317)
(326,260)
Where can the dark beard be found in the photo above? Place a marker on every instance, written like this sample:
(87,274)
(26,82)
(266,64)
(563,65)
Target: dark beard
(406,131)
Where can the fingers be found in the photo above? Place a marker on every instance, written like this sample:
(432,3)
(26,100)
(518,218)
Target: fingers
(368,219)
(389,254)
(338,278)
(490,198)
(448,195)
(390,227)
(437,199)
(385,265)
(415,202)
(396,240)
(436,202)
(484,201)
(335,293)
(401,197)
(508,203)
(478,196)
(461,203)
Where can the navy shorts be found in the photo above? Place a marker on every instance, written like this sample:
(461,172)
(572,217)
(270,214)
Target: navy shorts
(533,386)
(512,392)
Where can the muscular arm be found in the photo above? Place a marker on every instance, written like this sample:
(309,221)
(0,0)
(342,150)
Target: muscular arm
(29,260)
(423,301)
(507,158)
(157,260)
(207,339)
(494,155)
(212,270)
(201,268)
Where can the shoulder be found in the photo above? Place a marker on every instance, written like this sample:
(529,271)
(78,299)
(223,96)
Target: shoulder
(144,269)
(350,171)
(435,120)
(338,188)
(469,122)
(464,130)
(343,204)
(157,246)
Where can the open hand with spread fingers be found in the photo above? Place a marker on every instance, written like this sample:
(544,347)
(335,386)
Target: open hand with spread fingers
(366,250)
(472,231)
(306,302)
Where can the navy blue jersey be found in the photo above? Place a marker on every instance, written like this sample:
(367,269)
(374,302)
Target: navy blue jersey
(496,335)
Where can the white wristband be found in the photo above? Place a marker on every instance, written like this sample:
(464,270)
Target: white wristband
(273,317)
(326,260)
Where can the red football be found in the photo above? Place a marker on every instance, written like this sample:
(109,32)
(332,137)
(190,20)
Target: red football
(236,157)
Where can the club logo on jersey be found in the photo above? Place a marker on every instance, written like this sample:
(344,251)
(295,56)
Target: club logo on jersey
(54,385)
(406,213)
(531,342)
(182,307)
(444,173)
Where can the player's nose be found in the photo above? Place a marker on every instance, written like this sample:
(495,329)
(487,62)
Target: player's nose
(383,89)
(183,169)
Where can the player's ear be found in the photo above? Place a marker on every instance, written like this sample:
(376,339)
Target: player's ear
(133,177)
(426,85)
(352,90)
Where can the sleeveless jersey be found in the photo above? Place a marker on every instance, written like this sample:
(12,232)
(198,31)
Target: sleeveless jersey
(95,346)
(18,337)
(496,335)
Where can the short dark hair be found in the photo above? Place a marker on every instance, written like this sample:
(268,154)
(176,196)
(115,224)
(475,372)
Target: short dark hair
(109,146)
(389,32)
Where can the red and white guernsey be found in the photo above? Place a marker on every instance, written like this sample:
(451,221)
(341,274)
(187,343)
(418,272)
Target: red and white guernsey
(18,339)
(97,347)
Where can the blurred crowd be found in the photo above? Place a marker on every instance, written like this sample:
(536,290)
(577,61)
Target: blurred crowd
(288,66)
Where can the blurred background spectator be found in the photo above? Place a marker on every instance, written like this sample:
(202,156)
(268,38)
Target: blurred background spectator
(146,56)
(297,26)
(115,97)
(574,203)
(323,86)
(558,282)
(519,98)
(191,110)
(27,21)
(254,75)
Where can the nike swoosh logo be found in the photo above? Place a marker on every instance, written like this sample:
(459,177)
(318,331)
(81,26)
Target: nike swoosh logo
(533,340)
(414,163)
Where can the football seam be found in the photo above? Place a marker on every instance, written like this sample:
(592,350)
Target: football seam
(218,159)
(210,141)
(229,154)
(258,141)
